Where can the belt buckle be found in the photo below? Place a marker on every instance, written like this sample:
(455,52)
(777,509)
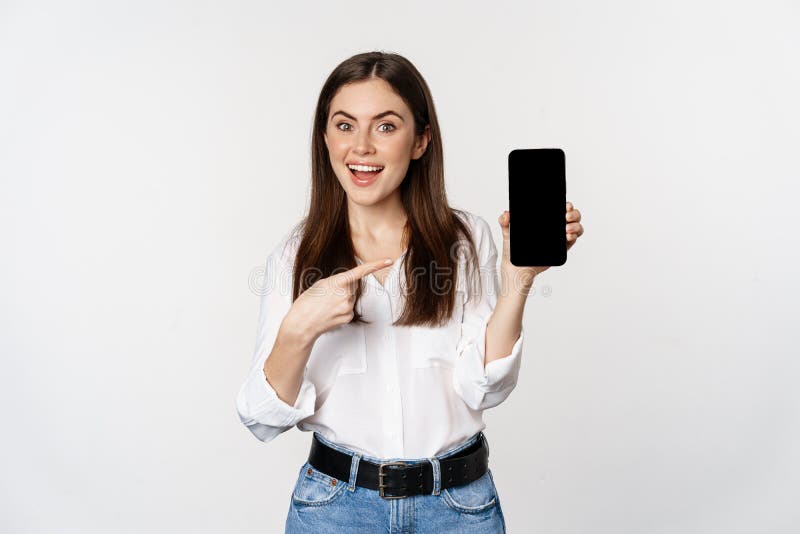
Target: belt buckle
(381,485)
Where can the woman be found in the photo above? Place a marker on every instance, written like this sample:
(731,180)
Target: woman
(390,366)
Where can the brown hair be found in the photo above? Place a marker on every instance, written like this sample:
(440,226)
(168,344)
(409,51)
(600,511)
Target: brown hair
(433,229)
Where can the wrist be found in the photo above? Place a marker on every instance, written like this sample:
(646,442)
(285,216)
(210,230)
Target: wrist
(300,335)
(516,282)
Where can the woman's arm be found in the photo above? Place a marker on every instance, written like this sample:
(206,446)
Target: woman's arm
(485,380)
(505,324)
(287,362)
(270,406)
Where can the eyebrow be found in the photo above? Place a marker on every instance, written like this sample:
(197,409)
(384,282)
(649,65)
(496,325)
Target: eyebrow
(376,117)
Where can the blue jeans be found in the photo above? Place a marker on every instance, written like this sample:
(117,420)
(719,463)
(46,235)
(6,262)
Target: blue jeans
(321,503)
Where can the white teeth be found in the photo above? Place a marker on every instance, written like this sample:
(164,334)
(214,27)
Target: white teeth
(364,168)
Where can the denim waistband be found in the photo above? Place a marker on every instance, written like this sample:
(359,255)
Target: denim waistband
(412,461)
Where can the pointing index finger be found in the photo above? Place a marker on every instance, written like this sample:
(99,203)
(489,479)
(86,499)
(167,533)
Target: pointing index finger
(360,271)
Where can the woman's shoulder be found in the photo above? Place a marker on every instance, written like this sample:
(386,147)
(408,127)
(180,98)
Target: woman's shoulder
(478,226)
(283,253)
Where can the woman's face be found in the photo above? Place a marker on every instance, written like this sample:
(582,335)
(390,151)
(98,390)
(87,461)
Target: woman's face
(369,123)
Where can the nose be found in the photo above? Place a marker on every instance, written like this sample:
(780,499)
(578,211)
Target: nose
(363,143)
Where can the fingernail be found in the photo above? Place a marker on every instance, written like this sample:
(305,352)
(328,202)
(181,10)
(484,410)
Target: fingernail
(387,262)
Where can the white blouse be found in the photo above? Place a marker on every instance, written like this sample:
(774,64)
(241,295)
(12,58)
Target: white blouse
(385,391)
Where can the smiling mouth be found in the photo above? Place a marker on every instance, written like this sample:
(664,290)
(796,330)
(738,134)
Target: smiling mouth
(364,176)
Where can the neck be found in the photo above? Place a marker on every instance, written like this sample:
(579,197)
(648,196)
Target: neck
(377,221)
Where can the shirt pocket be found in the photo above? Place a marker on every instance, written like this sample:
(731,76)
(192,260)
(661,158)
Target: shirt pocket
(437,347)
(344,348)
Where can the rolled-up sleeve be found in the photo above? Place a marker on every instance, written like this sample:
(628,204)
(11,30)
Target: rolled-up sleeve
(259,407)
(480,386)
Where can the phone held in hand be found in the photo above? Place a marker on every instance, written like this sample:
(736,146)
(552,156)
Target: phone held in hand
(537,200)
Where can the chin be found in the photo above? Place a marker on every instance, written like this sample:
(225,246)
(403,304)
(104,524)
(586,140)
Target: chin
(365,199)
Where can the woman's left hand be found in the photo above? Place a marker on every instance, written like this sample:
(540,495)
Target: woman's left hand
(523,276)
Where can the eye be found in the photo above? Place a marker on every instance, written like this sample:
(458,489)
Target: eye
(391,126)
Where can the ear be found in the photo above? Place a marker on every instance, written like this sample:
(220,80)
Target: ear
(421,143)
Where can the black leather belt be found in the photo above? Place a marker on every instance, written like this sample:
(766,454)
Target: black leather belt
(396,480)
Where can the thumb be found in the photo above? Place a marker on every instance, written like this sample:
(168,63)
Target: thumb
(505,225)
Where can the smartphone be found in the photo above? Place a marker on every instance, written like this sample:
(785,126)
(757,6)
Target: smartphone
(537,200)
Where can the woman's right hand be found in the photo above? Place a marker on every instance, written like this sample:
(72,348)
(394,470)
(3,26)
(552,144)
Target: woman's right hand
(328,302)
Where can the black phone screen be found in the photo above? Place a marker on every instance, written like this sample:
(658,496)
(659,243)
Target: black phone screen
(537,199)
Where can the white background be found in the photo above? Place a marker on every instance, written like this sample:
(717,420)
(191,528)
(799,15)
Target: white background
(152,153)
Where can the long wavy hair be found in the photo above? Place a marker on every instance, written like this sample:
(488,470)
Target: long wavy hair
(435,235)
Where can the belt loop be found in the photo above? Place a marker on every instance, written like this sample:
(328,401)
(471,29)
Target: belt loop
(437,476)
(351,484)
